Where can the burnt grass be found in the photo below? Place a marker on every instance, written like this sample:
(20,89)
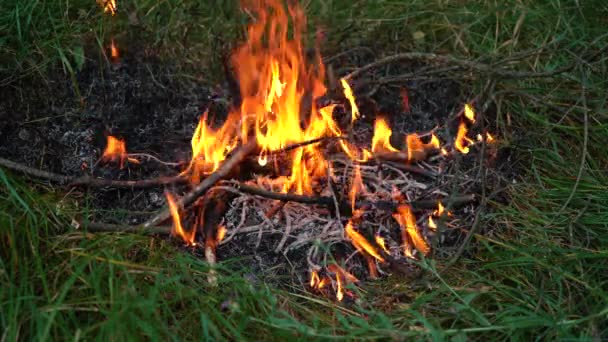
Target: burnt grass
(60,124)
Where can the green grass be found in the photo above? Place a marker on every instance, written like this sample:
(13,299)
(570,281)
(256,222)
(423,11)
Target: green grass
(538,271)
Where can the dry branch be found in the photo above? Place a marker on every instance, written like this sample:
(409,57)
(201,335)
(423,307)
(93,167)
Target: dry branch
(124,228)
(447,59)
(89,181)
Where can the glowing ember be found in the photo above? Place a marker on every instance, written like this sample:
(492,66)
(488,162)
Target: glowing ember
(469,113)
(177,230)
(409,231)
(348,93)
(116,151)
(382,134)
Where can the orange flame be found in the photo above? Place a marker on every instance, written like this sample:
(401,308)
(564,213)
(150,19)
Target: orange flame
(116,151)
(416,149)
(221,234)
(356,187)
(440,210)
(438,213)
(382,134)
(469,113)
(361,243)
(178,230)
(348,93)
(489,137)
(342,278)
(314,279)
(462,141)
(114,50)
(407,221)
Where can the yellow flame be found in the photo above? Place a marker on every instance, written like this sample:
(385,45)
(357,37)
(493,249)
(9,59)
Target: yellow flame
(432,224)
(109,6)
(462,141)
(382,134)
(469,113)
(221,233)
(381,243)
(348,93)
(209,147)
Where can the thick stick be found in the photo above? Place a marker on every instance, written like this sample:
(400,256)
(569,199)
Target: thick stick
(227,166)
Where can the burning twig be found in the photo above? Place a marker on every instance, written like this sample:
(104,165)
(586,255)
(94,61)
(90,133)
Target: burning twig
(224,170)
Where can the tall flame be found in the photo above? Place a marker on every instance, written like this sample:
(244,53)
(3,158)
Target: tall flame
(276,81)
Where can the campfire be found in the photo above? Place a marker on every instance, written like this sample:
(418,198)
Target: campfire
(290,165)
